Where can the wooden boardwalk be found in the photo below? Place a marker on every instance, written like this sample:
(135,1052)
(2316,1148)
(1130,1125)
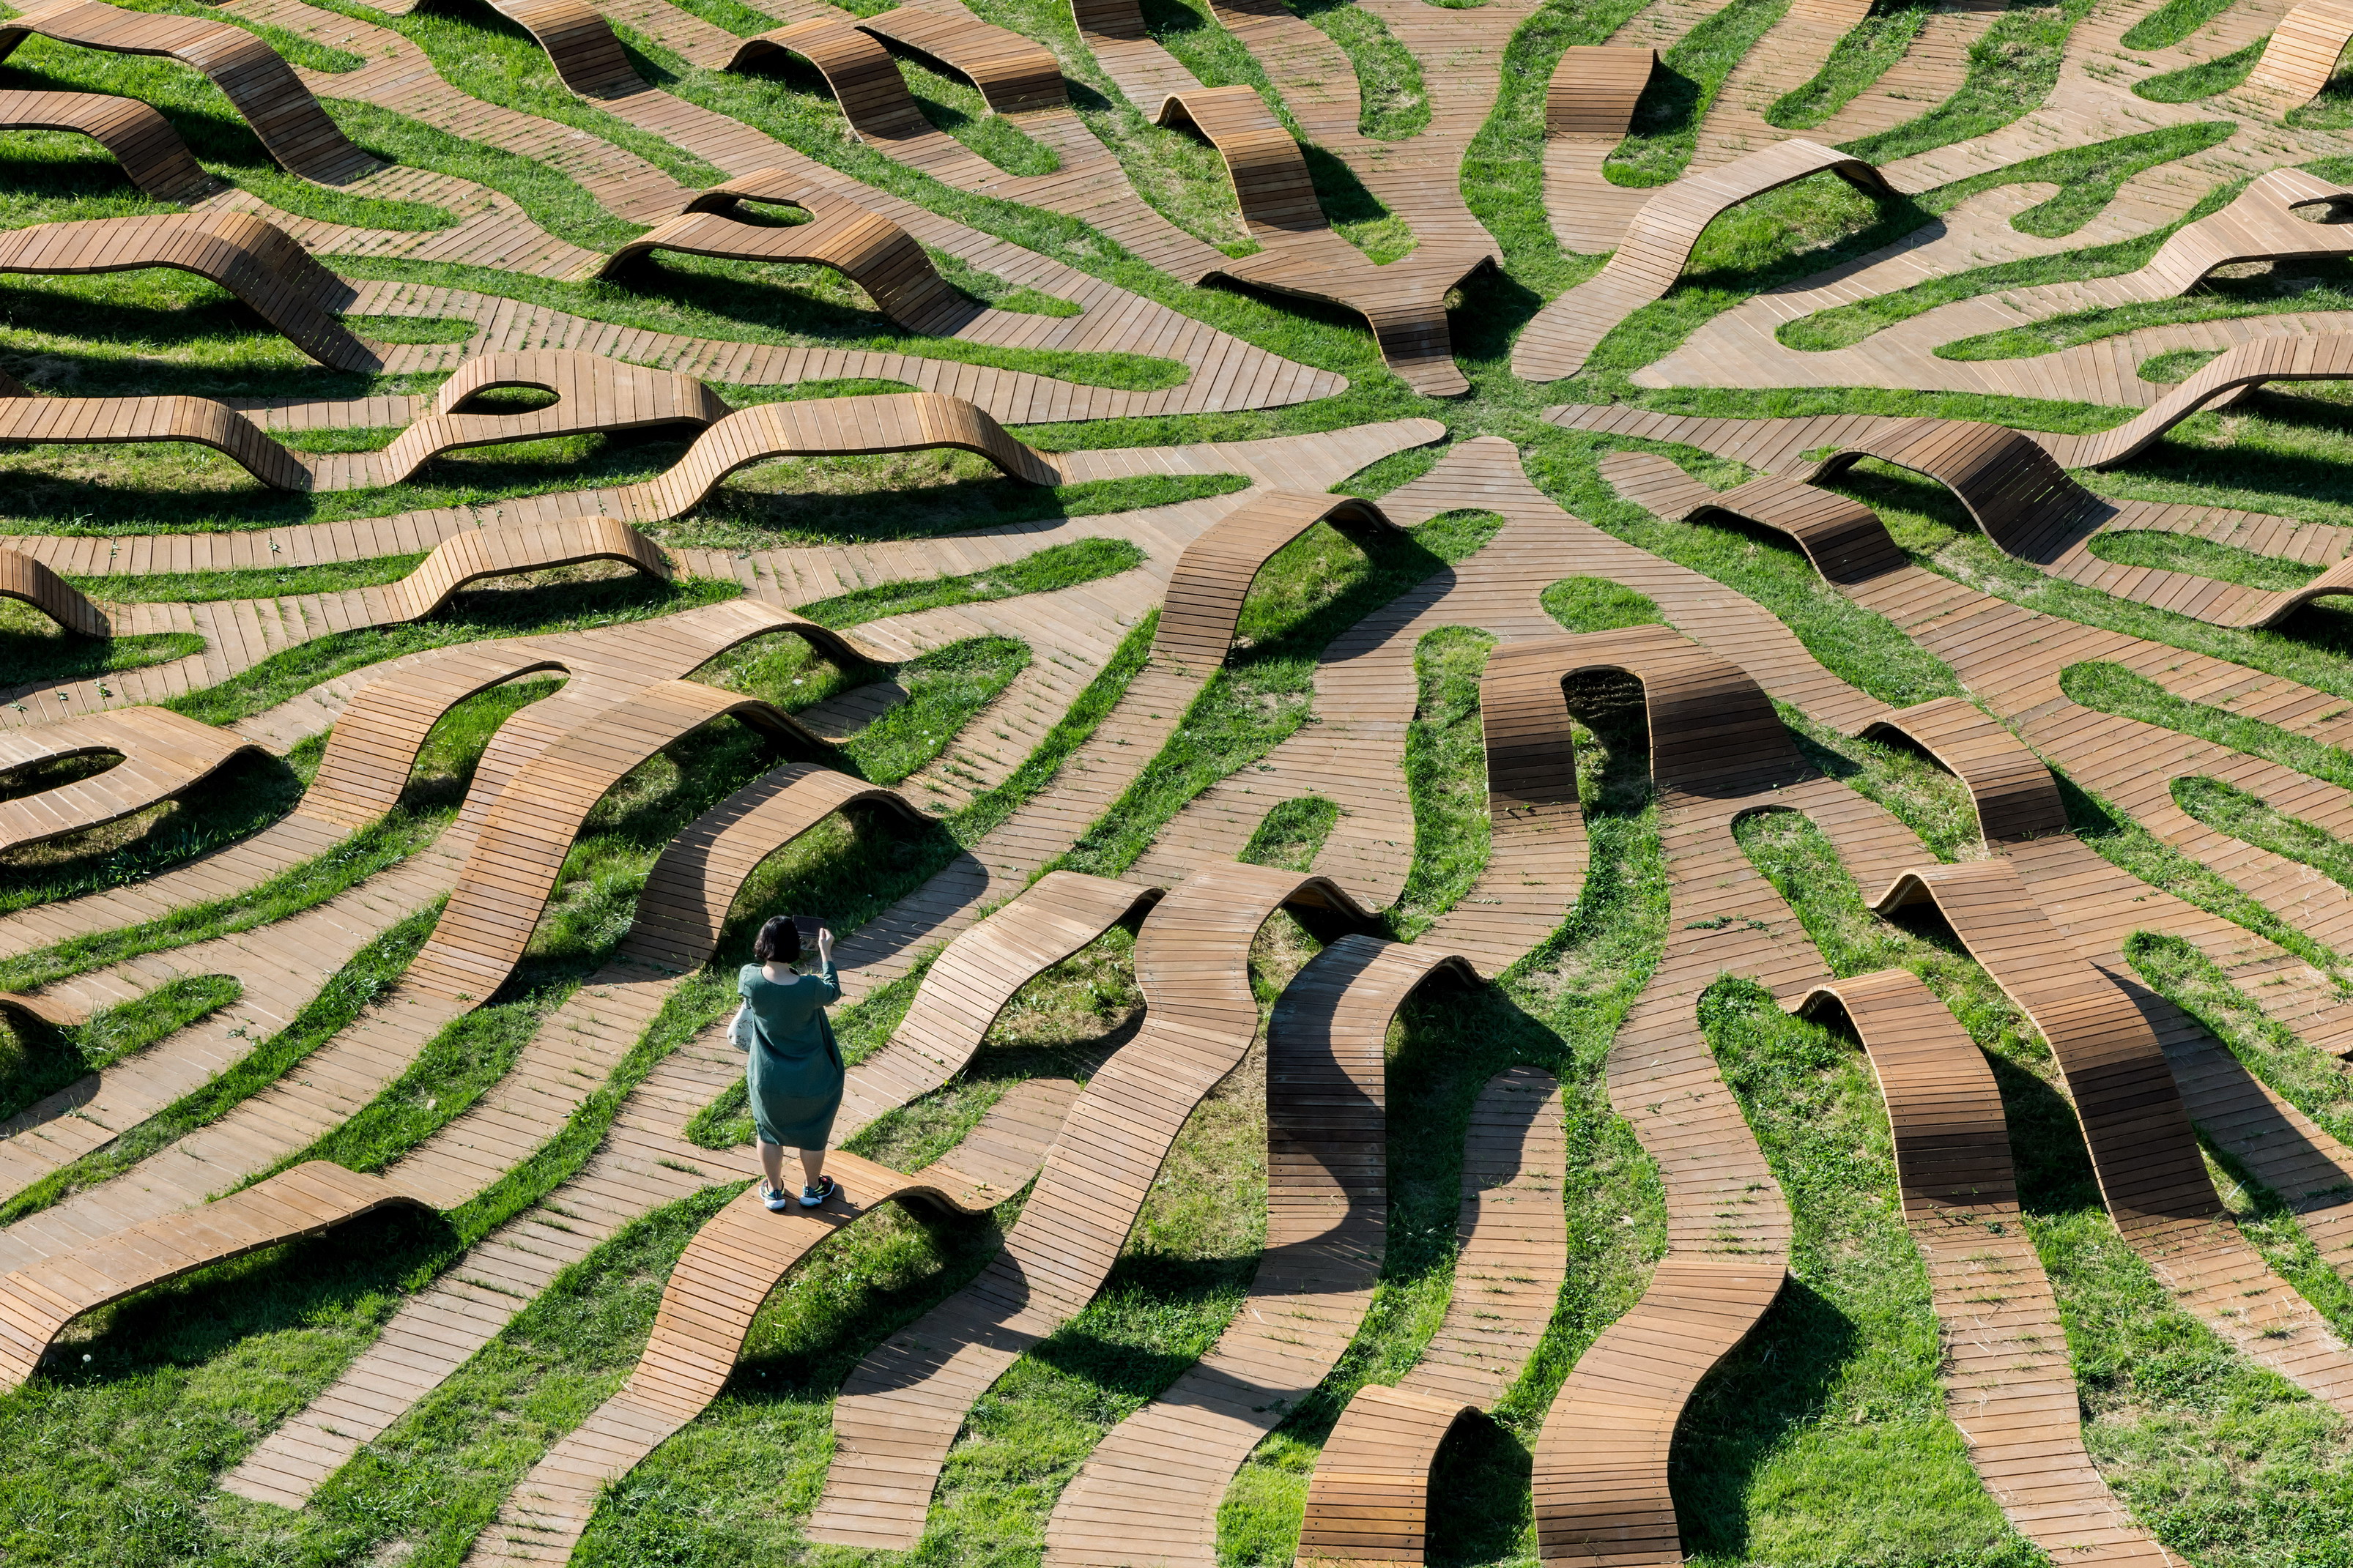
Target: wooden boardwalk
(903,1407)
(2008,1384)
(1367,1500)
(1149,1493)
(2300,58)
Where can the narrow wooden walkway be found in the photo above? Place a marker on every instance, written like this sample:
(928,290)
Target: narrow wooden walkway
(901,1410)
(1151,1489)
(2008,1385)
(2151,1172)
(1589,107)
(1658,241)
(645,1162)
(1367,1500)
(2300,58)
(162,755)
(141,139)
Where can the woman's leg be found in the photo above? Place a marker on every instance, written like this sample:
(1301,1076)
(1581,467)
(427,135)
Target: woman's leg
(813,1165)
(772,1160)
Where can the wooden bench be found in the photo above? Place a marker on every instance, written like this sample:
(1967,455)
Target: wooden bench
(163,756)
(2010,788)
(141,139)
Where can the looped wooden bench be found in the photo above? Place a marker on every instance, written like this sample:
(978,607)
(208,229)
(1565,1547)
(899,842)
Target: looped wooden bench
(164,755)
(864,247)
(1368,1500)
(2237,371)
(580,44)
(863,76)
(2011,789)
(260,85)
(141,139)
(1151,1488)
(257,261)
(901,1409)
(2151,1172)
(2008,1384)
(1659,241)
(1204,602)
(1404,302)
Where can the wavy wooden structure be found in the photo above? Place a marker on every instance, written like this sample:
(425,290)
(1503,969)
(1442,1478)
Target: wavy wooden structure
(863,76)
(2010,788)
(1659,241)
(900,1411)
(580,44)
(46,421)
(2234,372)
(28,581)
(2151,1172)
(717,1287)
(255,260)
(261,85)
(2301,56)
(1150,1490)
(47,1011)
(1015,74)
(1844,539)
(164,755)
(140,140)
(1114,33)
(1204,602)
(1404,302)
(644,1161)
(863,245)
(1368,1498)
(1589,108)
(2008,1384)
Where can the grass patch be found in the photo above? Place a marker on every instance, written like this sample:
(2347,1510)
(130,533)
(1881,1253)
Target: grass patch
(37,1060)
(1395,104)
(2203,80)
(2172,22)
(1859,58)
(2013,65)
(1055,567)
(1665,127)
(2202,557)
(2250,819)
(36,651)
(2111,689)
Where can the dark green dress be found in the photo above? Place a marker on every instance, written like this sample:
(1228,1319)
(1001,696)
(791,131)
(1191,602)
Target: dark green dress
(792,1067)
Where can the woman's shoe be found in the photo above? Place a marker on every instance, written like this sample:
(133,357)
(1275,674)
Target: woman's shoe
(776,1198)
(814,1197)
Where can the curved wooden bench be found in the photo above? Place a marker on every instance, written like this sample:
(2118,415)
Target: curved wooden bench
(255,261)
(164,755)
(1368,1497)
(523,841)
(481,553)
(25,580)
(140,140)
(829,427)
(580,44)
(1659,241)
(257,83)
(1594,89)
(1114,32)
(864,247)
(45,1010)
(714,1291)
(1151,1488)
(2260,224)
(644,1163)
(2301,57)
(2011,788)
(864,78)
(2151,1172)
(1013,73)
(1404,302)
(1204,602)
(2008,1384)
(900,1411)
(36,1302)
(976,975)
(1589,108)
(1714,732)
(44,421)
(1844,539)
(2236,371)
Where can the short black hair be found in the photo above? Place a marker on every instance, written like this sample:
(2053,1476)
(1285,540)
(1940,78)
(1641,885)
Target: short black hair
(779,942)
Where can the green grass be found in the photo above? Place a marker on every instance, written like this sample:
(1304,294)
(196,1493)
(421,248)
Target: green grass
(1665,127)
(2248,818)
(2185,552)
(2111,689)
(36,651)
(1859,59)
(2203,80)
(1389,78)
(2013,65)
(2172,22)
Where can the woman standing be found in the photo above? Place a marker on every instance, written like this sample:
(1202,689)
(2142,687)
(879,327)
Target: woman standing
(792,1069)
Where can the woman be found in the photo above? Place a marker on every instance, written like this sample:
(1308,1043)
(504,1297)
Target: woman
(793,1069)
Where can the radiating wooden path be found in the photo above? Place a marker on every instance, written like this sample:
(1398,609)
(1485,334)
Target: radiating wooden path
(2151,1172)
(2300,58)
(1658,241)
(2008,1384)
(260,85)
(1404,302)
(1367,1500)
(1718,753)
(162,755)
(255,260)
(1788,55)
(140,140)
(707,1308)
(645,1162)
(900,1411)
(1149,1493)
(1587,107)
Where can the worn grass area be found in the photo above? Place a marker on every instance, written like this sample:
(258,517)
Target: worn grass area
(1665,127)
(1859,59)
